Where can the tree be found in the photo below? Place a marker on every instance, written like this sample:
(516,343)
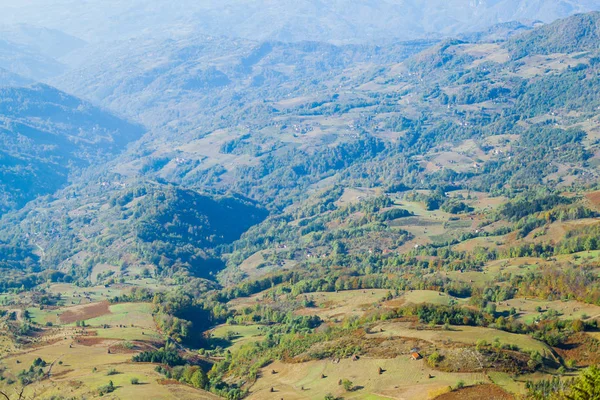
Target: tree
(188,373)
(578,325)
(339,248)
(199,379)
(587,386)
(481,343)
(348,385)
(434,359)
(535,359)
(106,388)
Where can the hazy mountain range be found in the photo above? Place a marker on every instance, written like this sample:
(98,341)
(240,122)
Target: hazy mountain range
(340,21)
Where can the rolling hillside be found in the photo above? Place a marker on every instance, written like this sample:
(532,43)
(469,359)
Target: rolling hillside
(412,219)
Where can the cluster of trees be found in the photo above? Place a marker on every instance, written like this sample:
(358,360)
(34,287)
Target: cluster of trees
(439,315)
(584,387)
(164,356)
(183,315)
(560,282)
(192,375)
(34,373)
(438,199)
(523,206)
(137,294)
(266,315)
(540,151)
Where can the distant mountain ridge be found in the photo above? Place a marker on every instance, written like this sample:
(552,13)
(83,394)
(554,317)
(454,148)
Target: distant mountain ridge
(48,42)
(338,21)
(8,78)
(28,62)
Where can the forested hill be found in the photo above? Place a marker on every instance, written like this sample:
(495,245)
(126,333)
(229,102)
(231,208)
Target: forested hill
(46,135)
(148,226)
(576,34)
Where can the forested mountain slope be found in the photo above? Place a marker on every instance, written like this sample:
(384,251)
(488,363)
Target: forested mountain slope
(46,135)
(152,227)
(27,61)
(459,115)
(255,121)
(186,83)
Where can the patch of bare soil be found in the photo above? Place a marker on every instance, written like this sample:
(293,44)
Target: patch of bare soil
(75,384)
(89,341)
(358,343)
(62,373)
(395,303)
(169,382)
(132,347)
(594,198)
(582,348)
(394,347)
(85,312)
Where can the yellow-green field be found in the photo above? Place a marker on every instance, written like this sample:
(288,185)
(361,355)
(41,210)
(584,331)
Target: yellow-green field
(527,309)
(332,305)
(403,379)
(83,370)
(461,334)
(137,314)
(81,357)
(241,334)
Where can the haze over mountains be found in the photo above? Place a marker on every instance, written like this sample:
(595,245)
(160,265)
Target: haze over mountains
(40,39)
(337,21)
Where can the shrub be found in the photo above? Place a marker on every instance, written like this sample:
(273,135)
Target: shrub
(434,359)
(102,390)
(348,385)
